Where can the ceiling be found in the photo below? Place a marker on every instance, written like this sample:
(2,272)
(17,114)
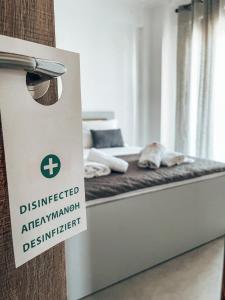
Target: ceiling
(158,2)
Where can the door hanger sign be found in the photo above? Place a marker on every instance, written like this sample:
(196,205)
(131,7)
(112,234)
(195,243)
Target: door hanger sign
(43,147)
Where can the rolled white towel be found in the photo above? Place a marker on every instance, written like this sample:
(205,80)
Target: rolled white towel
(171,159)
(114,163)
(151,156)
(188,160)
(93,169)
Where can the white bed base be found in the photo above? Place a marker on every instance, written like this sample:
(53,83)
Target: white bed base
(129,235)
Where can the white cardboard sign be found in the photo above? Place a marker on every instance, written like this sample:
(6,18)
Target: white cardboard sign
(43,151)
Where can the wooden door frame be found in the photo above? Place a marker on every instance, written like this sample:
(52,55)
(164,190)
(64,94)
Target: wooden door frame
(43,277)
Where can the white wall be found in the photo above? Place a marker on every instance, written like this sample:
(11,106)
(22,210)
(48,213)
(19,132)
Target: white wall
(157,97)
(168,82)
(128,61)
(159,79)
(104,33)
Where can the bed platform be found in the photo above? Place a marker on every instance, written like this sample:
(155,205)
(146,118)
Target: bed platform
(135,230)
(128,235)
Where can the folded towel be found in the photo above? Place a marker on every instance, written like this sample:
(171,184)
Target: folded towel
(151,156)
(114,163)
(188,160)
(93,169)
(171,159)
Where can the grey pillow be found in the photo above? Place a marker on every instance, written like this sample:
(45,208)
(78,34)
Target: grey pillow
(107,138)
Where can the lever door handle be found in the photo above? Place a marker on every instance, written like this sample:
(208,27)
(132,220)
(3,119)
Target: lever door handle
(39,71)
(43,68)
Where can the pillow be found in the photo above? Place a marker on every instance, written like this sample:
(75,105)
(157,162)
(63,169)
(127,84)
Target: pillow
(96,125)
(107,138)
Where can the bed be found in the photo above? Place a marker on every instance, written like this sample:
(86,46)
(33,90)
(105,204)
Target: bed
(135,230)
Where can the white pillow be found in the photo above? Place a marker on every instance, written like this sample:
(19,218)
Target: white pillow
(96,125)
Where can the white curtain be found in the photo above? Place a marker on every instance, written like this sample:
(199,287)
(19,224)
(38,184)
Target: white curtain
(200,115)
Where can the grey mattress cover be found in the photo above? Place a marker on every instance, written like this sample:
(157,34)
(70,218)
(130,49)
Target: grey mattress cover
(136,178)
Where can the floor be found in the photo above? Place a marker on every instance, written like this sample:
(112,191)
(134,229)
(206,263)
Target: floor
(196,275)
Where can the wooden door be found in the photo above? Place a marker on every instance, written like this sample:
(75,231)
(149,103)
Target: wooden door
(44,276)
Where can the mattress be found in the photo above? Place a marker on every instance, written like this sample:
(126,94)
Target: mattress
(137,179)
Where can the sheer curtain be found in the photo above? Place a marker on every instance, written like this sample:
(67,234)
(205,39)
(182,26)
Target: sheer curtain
(200,111)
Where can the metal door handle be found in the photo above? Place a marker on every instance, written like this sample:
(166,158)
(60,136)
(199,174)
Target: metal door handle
(39,69)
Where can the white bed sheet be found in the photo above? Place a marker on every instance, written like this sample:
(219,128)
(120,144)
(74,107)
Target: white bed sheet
(116,151)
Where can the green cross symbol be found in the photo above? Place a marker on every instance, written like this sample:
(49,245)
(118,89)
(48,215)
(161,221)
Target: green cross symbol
(50,166)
